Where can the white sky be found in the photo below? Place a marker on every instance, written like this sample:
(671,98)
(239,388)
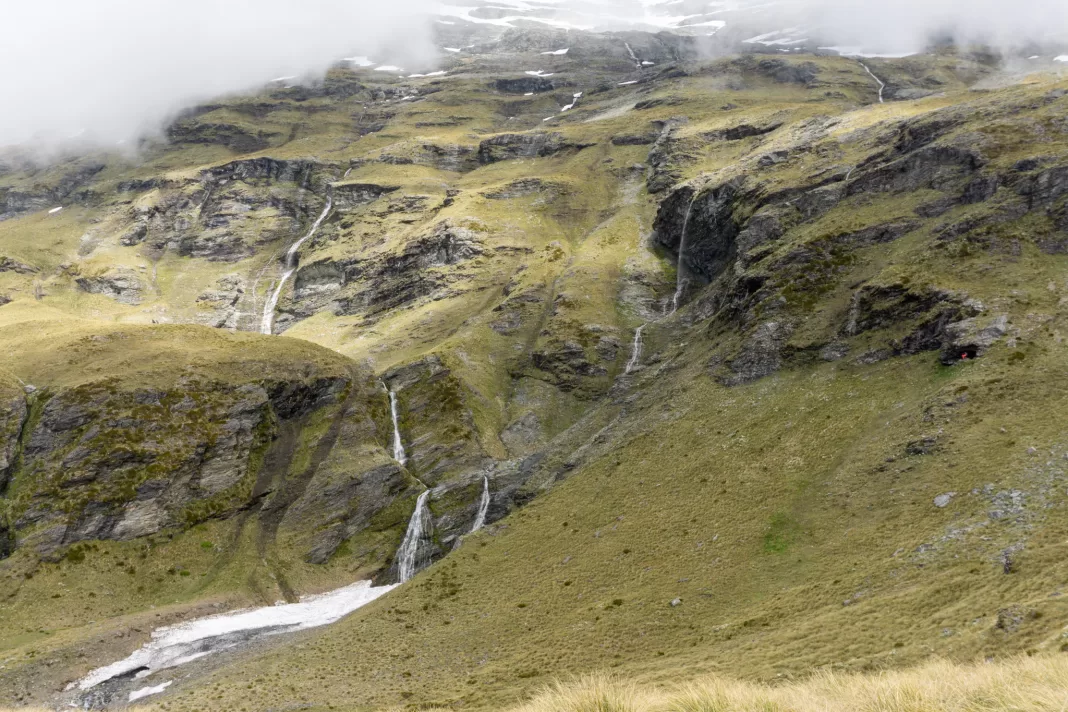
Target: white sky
(118,68)
(113,70)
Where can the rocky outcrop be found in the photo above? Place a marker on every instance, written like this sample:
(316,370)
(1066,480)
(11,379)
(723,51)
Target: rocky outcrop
(220,305)
(506,147)
(232,136)
(524,85)
(106,463)
(761,354)
(711,227)
(971,338)
(121,284)
(8,264)
(348,196)
(13,414)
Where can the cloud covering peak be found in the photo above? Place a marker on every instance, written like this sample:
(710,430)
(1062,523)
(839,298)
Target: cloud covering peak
(112,70)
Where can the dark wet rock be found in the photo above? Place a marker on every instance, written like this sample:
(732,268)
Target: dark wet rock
(711,230)
(121,284)
(506,147)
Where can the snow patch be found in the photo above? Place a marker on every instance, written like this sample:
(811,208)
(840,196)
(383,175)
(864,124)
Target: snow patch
(174,645)
(388,68)
(1062,58)
(627,84)
(53,211)
(559,52)
(146,691)
(857,51)
(360,61)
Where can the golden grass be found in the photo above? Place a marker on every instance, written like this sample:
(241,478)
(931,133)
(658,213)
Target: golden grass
(1038,684)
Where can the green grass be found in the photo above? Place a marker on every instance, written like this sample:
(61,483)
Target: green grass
(786,515)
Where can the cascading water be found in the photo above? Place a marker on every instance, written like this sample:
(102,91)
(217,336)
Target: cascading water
(882,86)
(420,526)
(483,507)
(636,350)
(681,281)
(267,323)
(398,445)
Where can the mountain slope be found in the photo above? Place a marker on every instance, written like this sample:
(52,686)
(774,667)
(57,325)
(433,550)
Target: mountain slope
(842,448)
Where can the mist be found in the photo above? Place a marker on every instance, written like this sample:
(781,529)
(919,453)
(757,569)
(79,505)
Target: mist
(108,72)
(910,25)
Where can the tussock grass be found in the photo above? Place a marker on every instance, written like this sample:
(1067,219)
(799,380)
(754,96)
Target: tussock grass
(1023,685)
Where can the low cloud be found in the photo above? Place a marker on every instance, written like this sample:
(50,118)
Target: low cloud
(110,71)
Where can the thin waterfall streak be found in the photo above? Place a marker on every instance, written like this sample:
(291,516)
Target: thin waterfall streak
(398,444)
(882,86)
(267,322)
(636,350)
(483,507)
(409,561)
(680,279)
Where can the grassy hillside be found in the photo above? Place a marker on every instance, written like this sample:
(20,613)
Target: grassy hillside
(843,451)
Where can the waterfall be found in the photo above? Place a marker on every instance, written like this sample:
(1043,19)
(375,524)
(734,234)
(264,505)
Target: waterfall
(483,507)
(267,323)
(680,279)
(636,350)
(419,528)
(398,445)
(882,86)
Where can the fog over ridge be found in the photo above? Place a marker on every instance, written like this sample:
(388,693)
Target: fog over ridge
(110,71)
(117,69)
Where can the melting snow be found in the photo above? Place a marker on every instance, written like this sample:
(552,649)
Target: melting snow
(559,52)
(627,84)
(852,51)
(1062,58)
(146,691)
(360,61)
(538,73)
(529,93)
(388,68)
(53,211)
(451,49)
(178,644)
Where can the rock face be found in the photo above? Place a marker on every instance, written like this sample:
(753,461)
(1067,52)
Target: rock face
(972,338)
(13,413)
(122,285)
(531,145)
